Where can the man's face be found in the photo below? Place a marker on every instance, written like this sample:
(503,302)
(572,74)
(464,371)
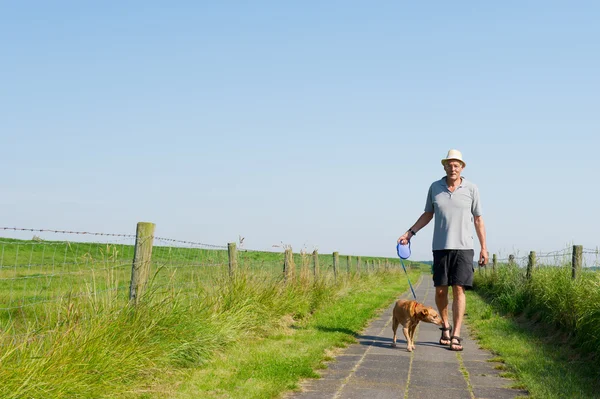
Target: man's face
(453,168)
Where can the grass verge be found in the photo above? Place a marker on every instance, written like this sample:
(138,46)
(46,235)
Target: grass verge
(538,358)
(267,367)
(248,337)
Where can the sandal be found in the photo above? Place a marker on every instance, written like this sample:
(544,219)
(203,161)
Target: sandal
(446,341)
(453,346)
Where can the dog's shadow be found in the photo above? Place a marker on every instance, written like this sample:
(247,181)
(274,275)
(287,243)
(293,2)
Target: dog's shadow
(376,341)
(373,340)
(384,342)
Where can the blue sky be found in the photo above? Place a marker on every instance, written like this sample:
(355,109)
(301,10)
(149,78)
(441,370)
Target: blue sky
(316,124)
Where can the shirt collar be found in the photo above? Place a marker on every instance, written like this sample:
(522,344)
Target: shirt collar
(443,182)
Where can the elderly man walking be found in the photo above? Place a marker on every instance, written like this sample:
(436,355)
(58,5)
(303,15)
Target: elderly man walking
(454,202)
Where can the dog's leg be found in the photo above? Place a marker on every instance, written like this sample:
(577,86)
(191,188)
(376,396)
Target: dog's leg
(411,332)
(408,339)
(394,329)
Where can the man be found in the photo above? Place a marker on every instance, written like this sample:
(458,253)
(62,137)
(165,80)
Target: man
(454,202)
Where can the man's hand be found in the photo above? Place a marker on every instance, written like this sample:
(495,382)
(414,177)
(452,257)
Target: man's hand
(483,257)
(404,238)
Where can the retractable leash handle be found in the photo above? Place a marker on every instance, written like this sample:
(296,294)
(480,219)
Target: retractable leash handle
(403,250)
(404,253)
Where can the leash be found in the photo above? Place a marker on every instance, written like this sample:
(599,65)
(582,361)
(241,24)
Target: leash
(411,287)
(404,253)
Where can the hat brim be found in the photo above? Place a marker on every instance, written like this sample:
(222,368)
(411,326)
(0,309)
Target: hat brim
(453,159)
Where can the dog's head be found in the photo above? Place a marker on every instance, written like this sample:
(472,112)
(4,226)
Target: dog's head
(429,315)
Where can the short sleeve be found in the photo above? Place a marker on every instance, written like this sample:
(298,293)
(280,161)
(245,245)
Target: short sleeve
(429,202)
(476,205)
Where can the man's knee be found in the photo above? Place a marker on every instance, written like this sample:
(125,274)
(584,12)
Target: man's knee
(441,291)
(458,291)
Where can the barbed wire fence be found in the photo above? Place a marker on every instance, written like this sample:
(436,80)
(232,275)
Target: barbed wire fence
(51,277)
(186,265)
(575,257)
(42,280)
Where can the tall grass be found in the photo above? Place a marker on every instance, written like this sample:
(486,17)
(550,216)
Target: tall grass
(550,296)
(68,331)
(267,367)
(540,361)
(37,278)
(99,346)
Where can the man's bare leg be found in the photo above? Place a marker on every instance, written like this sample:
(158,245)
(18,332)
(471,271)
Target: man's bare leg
(458,311)
(441,300)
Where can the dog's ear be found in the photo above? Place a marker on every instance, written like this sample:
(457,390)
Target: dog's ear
(425,312)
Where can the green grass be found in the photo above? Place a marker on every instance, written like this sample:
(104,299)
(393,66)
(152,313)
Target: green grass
(86,342)
(264,368)
(551,296)
(540,360)
(38,277)
(536,329)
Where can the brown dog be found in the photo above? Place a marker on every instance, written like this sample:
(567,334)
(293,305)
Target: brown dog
(409,314)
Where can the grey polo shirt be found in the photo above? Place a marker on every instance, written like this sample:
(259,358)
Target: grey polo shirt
(453,214)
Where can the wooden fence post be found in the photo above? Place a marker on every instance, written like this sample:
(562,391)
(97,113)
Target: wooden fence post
(511,259)
(576,261)
(288,265)
(494,263)
(142,256)
(285,266)
(358,265)
(336,264)
(232,251)
(530,264)
(348,263)
(315,263)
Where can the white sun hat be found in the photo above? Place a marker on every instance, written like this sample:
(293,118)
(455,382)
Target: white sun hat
(454,154)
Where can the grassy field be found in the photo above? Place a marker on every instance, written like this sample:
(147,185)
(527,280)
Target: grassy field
(38,278)
(67,330)
(544,330)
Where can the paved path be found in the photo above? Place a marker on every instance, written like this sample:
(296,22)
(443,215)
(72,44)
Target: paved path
(371,369)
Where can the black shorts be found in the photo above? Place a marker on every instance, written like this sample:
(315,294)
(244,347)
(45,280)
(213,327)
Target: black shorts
(453,267)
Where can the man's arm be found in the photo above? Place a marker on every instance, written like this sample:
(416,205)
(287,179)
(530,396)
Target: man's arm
(480,230)
(423,220)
